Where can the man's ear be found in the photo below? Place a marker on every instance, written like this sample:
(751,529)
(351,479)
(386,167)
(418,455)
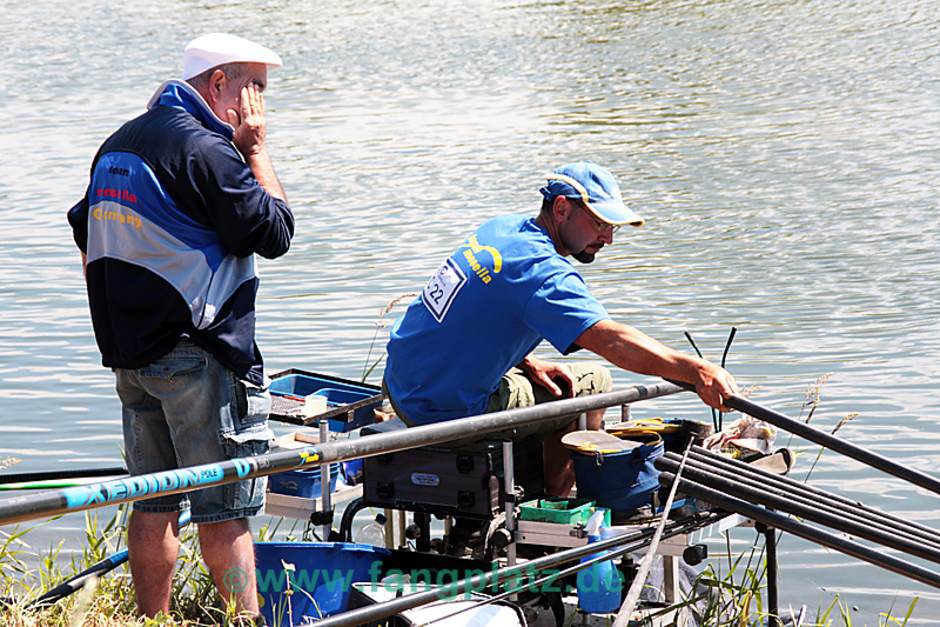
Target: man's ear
(216,86)
(560,208)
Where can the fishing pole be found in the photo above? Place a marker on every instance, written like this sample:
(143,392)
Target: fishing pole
(761,480)
(719,461)
(57,475)
(807,532)
(49,485)
(858,453)
(639,580)
(554,576)
(838,522)
(615,546)
(180,480)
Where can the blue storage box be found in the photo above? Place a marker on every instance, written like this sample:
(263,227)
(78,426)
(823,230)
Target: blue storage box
(303,482)
(320,578)
(623,481)
(293,385)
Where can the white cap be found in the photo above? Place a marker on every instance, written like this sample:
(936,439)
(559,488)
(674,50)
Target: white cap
(215,49)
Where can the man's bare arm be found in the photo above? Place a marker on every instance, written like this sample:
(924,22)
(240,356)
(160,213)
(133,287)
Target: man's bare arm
(633,350)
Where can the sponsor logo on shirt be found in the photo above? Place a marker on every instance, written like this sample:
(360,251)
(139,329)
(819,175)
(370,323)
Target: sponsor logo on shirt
(110,215)
(474,248)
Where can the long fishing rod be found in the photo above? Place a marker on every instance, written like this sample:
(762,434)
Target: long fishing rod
(180,480)
(639,580)
(733,465)
(613,547)
(756,479)
(59,475)
(829,441)
(734,488)
(807,532)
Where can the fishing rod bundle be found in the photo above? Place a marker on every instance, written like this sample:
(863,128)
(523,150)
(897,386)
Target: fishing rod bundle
(738,487)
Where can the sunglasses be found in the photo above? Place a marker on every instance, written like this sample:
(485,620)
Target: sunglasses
(600,225)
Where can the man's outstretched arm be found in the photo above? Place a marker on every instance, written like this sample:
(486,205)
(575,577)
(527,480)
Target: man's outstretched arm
(633,350)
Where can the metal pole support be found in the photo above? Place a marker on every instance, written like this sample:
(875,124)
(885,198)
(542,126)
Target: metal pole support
(509,478)
(389,529)
(325,496)
(770,551)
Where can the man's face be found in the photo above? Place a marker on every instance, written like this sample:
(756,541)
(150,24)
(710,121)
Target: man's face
(582,234)
(227,92)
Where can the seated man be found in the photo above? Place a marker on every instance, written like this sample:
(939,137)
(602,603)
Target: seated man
(503,291)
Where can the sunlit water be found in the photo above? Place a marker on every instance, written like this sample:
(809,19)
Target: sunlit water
(784,155)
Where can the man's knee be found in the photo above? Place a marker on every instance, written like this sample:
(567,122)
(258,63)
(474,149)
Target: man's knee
(591,378)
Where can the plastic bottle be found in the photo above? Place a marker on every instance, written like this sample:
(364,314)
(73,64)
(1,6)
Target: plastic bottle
(374,532)
(598,585)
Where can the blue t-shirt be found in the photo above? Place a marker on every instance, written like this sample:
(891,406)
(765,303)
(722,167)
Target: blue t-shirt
(489,305)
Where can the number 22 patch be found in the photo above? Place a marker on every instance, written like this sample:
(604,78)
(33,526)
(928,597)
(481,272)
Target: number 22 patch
(439,293)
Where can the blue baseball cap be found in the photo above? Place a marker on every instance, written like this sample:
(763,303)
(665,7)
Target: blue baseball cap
(596,187)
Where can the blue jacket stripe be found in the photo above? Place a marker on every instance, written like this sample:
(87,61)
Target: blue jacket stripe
(124,178)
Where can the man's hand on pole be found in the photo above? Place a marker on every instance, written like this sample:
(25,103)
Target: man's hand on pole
(714,384)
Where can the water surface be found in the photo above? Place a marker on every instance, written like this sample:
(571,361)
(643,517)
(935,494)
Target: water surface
(784,155)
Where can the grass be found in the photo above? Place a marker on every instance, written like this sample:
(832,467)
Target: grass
(106,601)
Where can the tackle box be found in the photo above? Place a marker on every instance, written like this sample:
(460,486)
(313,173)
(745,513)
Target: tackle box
(290,387)
(465,481)
(303,482)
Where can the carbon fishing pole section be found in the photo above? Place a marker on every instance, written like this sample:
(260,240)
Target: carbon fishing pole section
(752,491)
(829,441)
(177,481)
(807,532)
(750,475)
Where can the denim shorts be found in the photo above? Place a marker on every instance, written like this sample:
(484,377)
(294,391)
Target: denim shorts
(186,409)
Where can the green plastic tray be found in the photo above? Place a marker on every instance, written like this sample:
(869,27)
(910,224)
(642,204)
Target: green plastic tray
(559,510)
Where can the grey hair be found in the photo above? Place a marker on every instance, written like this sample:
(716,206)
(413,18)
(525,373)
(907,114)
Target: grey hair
(232,71)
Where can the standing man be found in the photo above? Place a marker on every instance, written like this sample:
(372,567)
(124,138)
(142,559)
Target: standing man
(180,200)
(464,345)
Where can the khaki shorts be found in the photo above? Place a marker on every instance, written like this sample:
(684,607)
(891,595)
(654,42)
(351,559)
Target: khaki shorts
(517,390)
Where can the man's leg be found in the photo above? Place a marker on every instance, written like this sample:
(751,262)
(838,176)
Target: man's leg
(153,530)
(152,545)
(559,469)
(595,420)
(516,390)
(229,553)
(213,416)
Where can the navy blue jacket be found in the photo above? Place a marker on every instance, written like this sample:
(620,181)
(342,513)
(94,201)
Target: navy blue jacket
(170,223)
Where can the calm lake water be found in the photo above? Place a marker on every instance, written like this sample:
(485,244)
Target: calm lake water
(783,153)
